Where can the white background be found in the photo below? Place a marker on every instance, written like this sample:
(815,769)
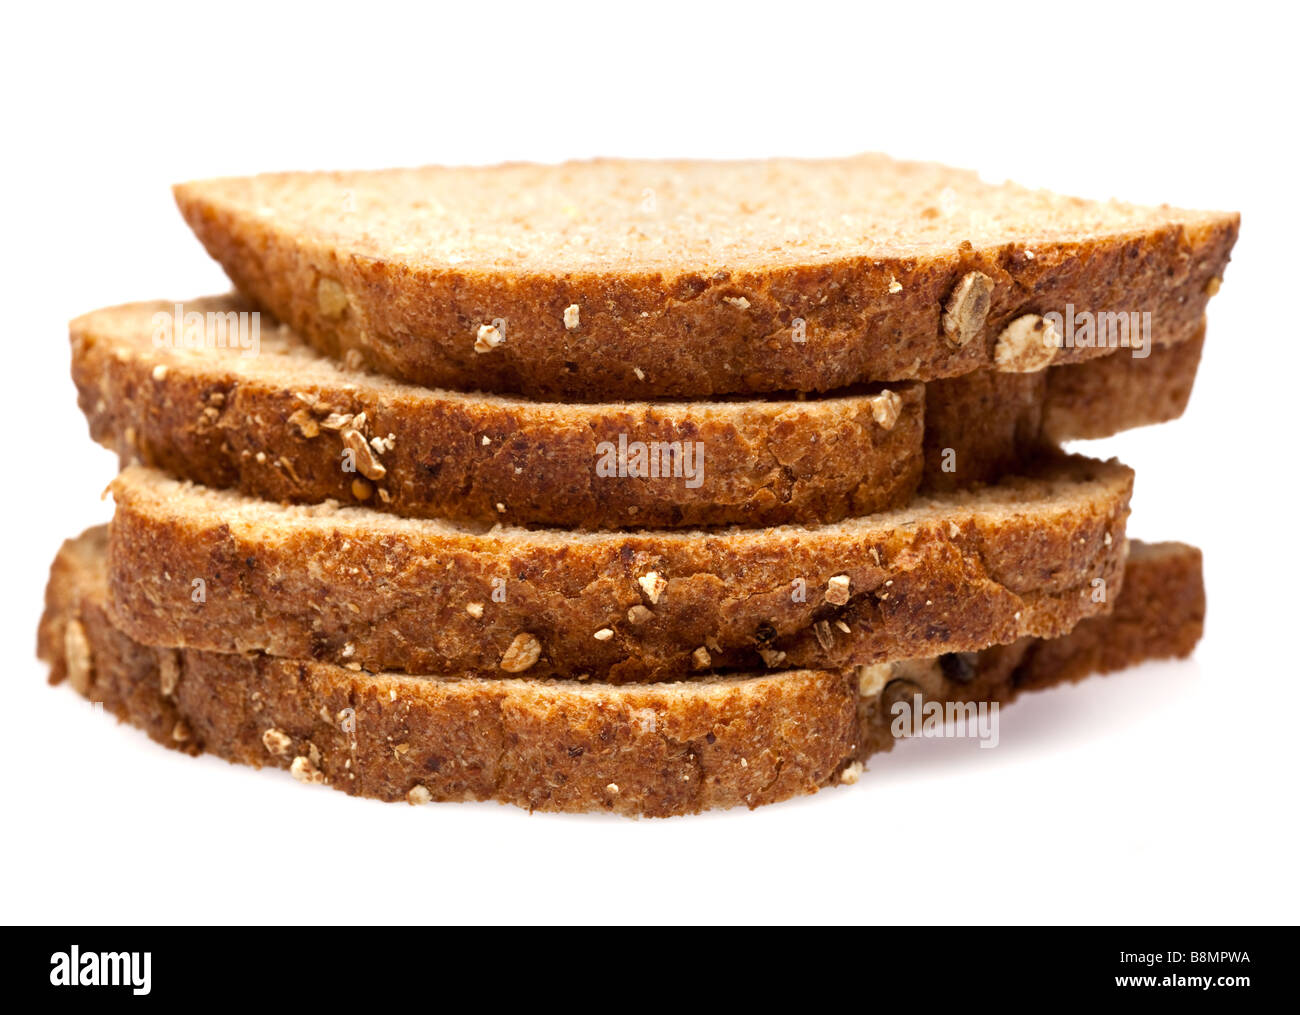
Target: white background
(1167,793)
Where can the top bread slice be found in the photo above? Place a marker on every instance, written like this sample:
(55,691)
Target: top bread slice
(642,279)
(275,420)
(957,571)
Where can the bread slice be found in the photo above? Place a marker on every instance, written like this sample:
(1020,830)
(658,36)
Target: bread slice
(620,279)
(1082,402)
(654,750)
(196,567)
(275,424)
(982,426)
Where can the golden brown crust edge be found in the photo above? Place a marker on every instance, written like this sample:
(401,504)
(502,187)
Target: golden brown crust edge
(278,434)
(654,336)
(956,573)
(1082,402)
(656,750)
(1160,613)
(985,425)
(653,750)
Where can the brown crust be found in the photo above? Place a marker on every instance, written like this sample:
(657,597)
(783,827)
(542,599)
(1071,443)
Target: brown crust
(982,426)
(956,572)
(254,424)
(1160,613)
(657,750)
(416,320)
(1081,402)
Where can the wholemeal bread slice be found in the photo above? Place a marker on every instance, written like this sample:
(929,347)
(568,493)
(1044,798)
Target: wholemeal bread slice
(620,279)
(274,422)
(981,426)
(191,566)
(1083,402)
(656,750)
(1159,614)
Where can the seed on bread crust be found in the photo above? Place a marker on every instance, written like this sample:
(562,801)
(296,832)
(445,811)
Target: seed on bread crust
(169,673)
(571,316)
(967,307)
(522,653)
(700,659)
(331,297)
(304,770)
(885,409)
(305,422)
(418,795)
(772,658)
(488,338)
(367,464)
(837,590)
(639,614)
(1026,345)
(277,742)
(76,652)
(653,586)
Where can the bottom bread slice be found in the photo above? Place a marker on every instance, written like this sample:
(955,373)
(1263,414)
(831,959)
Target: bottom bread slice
(653,750)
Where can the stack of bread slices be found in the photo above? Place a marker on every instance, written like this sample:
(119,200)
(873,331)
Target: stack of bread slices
(646,487)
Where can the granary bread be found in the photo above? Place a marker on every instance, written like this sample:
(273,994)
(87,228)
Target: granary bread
(274,422)
(618,279)
(654,750)
(957,571)
(275,425)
